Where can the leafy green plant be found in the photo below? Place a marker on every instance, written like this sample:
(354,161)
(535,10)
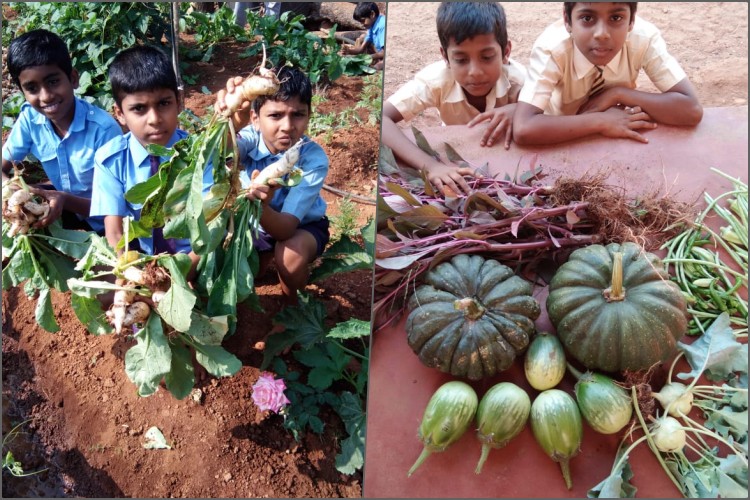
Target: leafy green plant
(345,223)
(11,109)
(288,42)
(15,467)
(209,29)
(334,356)
(372,97)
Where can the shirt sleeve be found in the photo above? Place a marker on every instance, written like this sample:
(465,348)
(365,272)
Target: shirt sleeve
(413,97)
(542,76)
(18,143)
(108,191)
(660,66)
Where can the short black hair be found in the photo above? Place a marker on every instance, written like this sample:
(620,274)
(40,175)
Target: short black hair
(364,9)
(37,48)
(569,9)
(141,68)
(294,83)
(464,20)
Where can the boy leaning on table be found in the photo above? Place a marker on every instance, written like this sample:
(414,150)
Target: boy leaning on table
(582,75)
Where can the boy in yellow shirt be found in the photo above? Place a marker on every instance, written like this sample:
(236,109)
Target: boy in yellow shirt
(476,81)
(582,78)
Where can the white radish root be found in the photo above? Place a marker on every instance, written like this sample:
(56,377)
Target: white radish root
(279,168)
(116,315)
(157,296)
(133,274)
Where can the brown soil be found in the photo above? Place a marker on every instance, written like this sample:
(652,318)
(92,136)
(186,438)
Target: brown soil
(86,423)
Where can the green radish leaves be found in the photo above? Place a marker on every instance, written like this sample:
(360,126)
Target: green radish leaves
(716,352)
(617,484)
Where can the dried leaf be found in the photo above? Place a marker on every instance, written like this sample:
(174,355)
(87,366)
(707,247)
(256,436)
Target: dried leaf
(468,235)
(572,218)
(155,440)
(479,200)
(454,156)
(384,247)
(423,144)
(425,216)
(401,262)
(403,193)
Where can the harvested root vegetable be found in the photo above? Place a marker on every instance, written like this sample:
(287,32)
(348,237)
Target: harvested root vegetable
(137,313)
(278,169)
(116,314)
(266,83)
(20,208)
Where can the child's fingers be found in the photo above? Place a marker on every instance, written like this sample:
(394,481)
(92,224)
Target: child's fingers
(255,174)
(483,117)
(508,137)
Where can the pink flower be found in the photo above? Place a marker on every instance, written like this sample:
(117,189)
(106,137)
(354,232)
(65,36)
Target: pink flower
(268,393)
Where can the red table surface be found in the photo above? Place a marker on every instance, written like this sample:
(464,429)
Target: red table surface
(676,161)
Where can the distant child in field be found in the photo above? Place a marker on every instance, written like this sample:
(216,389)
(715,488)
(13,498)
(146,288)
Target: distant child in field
(295,229)
(582,78)
(372,42)
(61,130)
(475,82)
(144,87)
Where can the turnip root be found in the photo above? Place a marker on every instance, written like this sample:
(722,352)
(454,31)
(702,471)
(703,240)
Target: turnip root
(253,86)
(137,313)
(116,315)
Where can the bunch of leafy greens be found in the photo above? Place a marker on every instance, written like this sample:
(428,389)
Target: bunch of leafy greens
(42,260)
(175,329)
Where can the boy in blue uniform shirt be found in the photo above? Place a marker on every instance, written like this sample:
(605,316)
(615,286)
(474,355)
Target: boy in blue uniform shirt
(294,227)
(144,87)
(372,42)
(61,130)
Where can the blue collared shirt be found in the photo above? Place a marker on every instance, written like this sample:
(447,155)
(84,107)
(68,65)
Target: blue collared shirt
(376,33)
(121,164)
(67,162)
(302,201)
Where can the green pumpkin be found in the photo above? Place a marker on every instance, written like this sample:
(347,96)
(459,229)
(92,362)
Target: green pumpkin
(471,318)
(615,308)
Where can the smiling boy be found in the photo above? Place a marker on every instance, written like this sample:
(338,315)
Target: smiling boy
(582,78)
(61,130)
(475,82)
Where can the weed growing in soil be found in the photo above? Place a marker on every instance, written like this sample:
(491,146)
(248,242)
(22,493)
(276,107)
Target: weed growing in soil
(345,223)
(13,466)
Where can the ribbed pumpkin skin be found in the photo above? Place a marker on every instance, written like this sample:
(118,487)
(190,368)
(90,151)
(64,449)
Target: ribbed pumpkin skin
(445,338)
(631,334)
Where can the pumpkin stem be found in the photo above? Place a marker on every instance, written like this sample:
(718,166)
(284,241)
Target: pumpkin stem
(472,308)
(615,292)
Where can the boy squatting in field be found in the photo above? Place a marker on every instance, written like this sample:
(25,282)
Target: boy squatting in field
(475,82)
(144,87)
(294,227)
(564,98)
(372,42)
(61,130)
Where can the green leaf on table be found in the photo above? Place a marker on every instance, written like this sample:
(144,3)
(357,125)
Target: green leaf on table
(45,315)
(216,360)
(617,485)
(90,313)
(147,362)
(387,164)
(727,421)
(181,377)
(454,157)
(718,350)
(732,474)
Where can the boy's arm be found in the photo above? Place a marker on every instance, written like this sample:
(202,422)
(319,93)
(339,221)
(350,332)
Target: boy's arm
(677,106)
(113,231)
(437,172)
(532,126)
